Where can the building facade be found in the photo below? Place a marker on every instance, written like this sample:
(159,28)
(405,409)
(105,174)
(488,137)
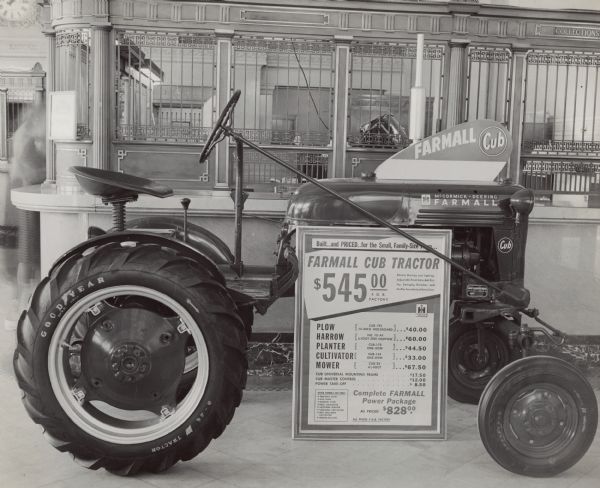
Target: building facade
(325,86)
(151,76)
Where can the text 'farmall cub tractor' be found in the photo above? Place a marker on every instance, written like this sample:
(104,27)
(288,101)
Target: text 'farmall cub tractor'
(132,354)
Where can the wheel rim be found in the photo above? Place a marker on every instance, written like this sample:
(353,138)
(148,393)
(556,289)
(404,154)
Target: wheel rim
(88,403)
(474,368)
(541,420)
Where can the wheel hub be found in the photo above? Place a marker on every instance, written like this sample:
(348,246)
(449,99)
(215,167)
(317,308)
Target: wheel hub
(133,358)
(129,362)
(476,358)
(540,419)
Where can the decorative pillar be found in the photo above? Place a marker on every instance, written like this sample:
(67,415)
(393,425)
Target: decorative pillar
(50,182)
(517,98)
(224,58)
(3,124)
(340,106)
(457,80)
(38,96)
(101,52)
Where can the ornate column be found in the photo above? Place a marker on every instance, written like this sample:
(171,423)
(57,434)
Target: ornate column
(50,182)
(3,124)
(101,52)
(224,56)
(340,106)
(457,82)
(515,120)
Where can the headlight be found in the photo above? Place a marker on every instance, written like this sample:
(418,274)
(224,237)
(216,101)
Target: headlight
(522,201)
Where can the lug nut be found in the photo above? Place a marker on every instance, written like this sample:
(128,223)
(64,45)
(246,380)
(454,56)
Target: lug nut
(166,337)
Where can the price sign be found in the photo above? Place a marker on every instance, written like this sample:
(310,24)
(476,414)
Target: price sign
(371,323)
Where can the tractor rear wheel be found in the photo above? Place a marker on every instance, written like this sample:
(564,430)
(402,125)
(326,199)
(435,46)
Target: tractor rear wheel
(471,366)
(105,345)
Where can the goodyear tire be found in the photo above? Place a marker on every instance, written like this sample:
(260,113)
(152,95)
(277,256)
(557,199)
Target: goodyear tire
(538,416)
(469,369)
(104,346)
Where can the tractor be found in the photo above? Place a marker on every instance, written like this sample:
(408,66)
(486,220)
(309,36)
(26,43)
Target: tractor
(132,352)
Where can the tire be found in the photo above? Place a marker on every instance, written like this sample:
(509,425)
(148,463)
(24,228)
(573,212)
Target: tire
(538,416)
(78,358)
(466,376)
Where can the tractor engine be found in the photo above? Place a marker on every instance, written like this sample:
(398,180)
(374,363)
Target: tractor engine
(472,248)
(489,233)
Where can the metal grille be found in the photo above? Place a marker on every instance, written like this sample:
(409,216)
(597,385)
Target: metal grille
(488,84)
(287,90)
(166,87)
(16,115)
(74,73)
(560,176)
(19,102)
(260,170)
(562,102)
(379,104)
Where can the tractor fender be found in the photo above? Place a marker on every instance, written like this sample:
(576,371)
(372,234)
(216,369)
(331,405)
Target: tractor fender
(198,237)
(198,254)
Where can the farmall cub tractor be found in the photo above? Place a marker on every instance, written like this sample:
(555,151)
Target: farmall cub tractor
(132,353)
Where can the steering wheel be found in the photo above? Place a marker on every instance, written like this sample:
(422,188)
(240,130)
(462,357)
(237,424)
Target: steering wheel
(217,133)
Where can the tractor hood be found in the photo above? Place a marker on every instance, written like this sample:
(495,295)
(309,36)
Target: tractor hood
(403,202)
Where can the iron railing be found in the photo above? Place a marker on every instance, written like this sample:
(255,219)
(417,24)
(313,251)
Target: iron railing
(166,86)
(559,176)
(380,81)
(287,90)
(260,173)
(488,84)
(561,98)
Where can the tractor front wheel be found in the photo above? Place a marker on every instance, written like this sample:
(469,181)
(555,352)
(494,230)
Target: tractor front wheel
(538,416)
(104,349)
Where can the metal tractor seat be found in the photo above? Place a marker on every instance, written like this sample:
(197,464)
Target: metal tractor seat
(117,189)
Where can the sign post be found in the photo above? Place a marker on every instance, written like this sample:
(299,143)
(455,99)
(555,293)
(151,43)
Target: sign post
(371,323)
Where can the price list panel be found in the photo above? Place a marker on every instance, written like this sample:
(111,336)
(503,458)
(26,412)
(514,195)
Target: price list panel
(370,348)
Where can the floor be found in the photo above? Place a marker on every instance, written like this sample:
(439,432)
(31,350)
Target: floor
(256,450)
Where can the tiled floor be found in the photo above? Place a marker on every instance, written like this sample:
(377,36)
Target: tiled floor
(256,450)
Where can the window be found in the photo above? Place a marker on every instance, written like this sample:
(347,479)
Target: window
(379,105)
(287,90)
(488,84)
(287,100)
(74,73)
(166,87)
(561,131)
(561,100)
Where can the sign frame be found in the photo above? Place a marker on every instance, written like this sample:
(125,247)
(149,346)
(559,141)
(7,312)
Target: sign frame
(303,427)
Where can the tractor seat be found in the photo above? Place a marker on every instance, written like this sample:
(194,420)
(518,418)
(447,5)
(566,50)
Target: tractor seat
(111,185)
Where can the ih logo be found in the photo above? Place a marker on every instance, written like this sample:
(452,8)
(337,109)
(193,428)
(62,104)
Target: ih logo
(493,141)
(425,199)
(505,245)
(421,310)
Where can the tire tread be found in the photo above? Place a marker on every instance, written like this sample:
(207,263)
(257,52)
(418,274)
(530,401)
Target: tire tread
(143,258)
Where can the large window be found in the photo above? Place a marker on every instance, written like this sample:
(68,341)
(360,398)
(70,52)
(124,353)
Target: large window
(561,130)
(381,78)
(166,87)
(488,84)
(74,73)
(561,101)
(287,100)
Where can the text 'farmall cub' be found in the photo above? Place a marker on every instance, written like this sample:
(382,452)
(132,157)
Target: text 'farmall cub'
(132,354)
